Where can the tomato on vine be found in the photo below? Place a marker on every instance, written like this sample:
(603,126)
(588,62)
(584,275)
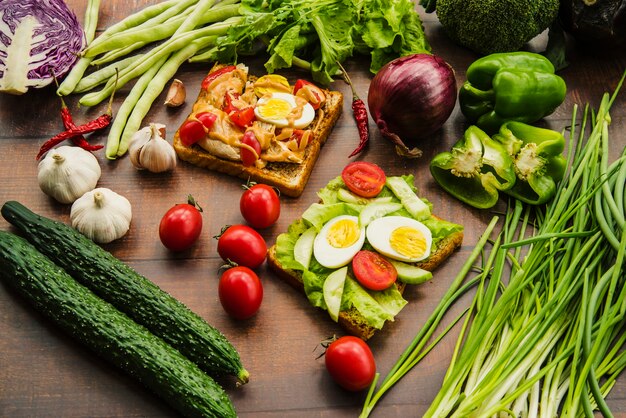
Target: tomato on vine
(181,225)
(260,205)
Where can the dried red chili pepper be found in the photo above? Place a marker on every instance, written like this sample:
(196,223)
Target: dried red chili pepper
(359,110)
(72,131)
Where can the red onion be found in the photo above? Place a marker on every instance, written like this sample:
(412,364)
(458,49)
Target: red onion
(410,98)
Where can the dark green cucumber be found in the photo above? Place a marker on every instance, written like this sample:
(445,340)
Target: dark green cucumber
(101,327)
(128,291)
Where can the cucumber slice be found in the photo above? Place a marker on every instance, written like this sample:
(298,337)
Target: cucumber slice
(303,248)
(347,196)
(377,210)
(409,273)
(413,204)
(333,291)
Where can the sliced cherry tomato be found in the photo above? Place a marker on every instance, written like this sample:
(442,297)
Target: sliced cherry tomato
(242,245)
(181,225)
(215,74)
(313,94)
(240,292)
(260,206)
(350,363)
(242,117)
(247,156)
(191,132)
(298,134)
(207,119)
(228,106)
(373,271)
(363,178)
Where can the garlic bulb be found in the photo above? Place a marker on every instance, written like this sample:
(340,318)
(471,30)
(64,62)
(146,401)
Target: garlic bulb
(66,173)
(149,150)
(102,215)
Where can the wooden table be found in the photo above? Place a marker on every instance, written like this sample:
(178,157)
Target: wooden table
(43,373)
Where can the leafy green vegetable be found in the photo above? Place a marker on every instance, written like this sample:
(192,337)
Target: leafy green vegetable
(317,35)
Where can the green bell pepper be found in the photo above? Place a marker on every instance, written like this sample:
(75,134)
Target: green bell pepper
(475,170)
(519,86)
(538,160)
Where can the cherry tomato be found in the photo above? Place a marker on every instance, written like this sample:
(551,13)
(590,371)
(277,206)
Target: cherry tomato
(350,363)
(260,206)
(181,225)
(242,117)
(215,74)
(191,132)
(240,292)
(207,119)
(247,156)
(309,91)
(373,271)
(363,178)
(242,245)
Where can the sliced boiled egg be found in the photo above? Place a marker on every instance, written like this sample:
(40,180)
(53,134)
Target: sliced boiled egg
(338,241)
(283,110)
(400,238)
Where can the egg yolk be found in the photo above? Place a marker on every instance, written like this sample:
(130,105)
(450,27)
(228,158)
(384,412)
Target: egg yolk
(343,233)
(275,109)
(408,241)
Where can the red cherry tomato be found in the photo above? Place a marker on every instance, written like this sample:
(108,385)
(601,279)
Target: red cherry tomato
(240,292)
(363,178)
(310,92)
(373,271)
(350,363)
(247,156)
(260,206)
(191,132)
(242,245)
(242,117)
(181,225)
(207,119)
(215,74)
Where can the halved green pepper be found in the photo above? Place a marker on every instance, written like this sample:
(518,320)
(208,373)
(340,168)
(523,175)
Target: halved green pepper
(513,86)
(475,170)
(538,160)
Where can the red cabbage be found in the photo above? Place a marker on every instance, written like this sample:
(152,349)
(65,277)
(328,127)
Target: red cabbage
(38,38)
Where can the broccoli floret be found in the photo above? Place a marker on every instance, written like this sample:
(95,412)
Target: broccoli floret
(488,26)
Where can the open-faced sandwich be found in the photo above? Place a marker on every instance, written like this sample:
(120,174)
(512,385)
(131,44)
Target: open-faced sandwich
(263,129)
(353,252)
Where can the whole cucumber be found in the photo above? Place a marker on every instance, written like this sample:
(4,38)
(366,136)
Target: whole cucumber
(128,291)
(110,333)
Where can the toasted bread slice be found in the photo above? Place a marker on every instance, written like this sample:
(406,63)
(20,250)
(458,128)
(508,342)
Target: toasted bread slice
(351,320)
(289,178)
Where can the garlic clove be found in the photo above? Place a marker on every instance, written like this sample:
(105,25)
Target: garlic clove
(137,142)
(176,94)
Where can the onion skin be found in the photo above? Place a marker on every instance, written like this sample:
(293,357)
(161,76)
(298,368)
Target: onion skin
(411,98)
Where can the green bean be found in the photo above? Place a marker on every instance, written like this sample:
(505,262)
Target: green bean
(121,117)
(139,67)
(91,20)
(116,54)
(102,75)
(152,14)
(73,77)
(155,88)
(152,34)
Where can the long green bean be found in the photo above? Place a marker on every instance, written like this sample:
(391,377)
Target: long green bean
(104,74)
(91,20)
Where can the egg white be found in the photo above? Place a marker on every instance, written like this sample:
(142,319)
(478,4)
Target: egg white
(332,257)
(308,113)
(379,232)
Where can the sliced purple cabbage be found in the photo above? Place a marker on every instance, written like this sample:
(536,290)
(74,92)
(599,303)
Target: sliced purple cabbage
(38,38)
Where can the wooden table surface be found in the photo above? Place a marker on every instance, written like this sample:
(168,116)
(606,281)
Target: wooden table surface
(43,373)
